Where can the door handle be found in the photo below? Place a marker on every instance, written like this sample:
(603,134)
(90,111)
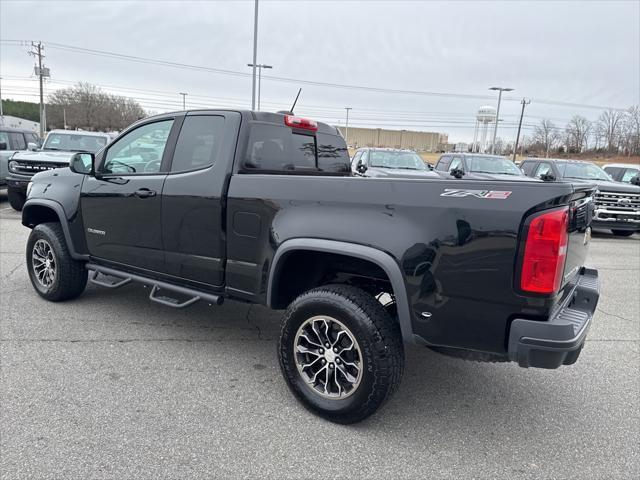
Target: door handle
(144,193)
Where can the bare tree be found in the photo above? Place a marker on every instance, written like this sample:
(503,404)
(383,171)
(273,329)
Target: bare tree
(546,135)
(577,131)
(610,123)
(86,106)
(631,131)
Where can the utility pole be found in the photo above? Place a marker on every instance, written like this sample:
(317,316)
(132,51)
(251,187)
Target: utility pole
(1,114)
(41,72)
(495,130)
(346,130)
(259,66)
(524,103)
(255,55)
(184,96)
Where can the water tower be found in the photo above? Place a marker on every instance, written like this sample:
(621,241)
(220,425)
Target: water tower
(485,116)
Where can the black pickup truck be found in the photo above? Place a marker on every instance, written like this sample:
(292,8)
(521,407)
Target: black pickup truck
(263,208)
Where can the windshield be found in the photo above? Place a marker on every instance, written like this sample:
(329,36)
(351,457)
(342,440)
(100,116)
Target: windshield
(583,171)
(401,160)
(74,142)
(496,165)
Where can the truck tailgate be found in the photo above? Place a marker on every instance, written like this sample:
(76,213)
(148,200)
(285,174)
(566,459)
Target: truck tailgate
(581,209)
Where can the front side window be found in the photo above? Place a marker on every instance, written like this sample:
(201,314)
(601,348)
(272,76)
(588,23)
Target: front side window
(629,173)
(354,162)
(543,169)
(456,163)
(18,141)
(443,163)
(493,165)
(527,168)
(584,171)
(74,142)
(397,160)
(139,151)
(4,138)
(198,143)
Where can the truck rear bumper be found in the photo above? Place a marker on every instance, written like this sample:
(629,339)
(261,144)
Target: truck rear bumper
(559,340)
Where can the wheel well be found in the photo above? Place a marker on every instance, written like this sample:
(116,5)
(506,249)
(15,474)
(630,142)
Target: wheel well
(37,214)
(302,270)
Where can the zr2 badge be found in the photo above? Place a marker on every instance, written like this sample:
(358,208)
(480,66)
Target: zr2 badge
(492,194)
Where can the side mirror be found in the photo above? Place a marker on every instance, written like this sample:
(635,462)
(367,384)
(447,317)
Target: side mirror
(32,146)
(82,163)
(361,168)
(3,146)
(636,180)
(548,177)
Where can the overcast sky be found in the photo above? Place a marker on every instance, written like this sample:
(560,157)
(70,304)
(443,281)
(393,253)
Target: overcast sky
(579,52)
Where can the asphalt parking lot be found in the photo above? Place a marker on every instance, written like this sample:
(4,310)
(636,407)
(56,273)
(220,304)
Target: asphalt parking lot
(114,386)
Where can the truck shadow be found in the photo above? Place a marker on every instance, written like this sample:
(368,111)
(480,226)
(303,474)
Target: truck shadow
(437,392)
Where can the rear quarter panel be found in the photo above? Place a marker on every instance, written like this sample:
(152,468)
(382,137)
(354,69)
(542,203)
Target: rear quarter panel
(457,254)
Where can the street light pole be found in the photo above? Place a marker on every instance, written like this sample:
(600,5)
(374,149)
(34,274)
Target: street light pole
(524,102)
(346,130)
(184,96)
(255,55)
(259,66)
(495,130)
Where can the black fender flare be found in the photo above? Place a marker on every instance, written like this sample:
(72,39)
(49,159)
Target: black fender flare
(62,218)
(379,257)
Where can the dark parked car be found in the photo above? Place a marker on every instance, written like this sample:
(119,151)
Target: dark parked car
(478,166)
(11,141)
(617,205)
(263,208)
(624,172)
(388,162)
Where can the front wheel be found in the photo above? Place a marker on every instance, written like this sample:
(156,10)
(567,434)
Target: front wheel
(622,233)
(16,199)
(54,274)
(340,352)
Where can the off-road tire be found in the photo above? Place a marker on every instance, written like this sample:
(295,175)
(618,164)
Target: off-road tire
(377,334)
(16,199)
(622,233)
(70,278)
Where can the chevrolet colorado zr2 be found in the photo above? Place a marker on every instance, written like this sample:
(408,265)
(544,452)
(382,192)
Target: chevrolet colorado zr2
(263,208)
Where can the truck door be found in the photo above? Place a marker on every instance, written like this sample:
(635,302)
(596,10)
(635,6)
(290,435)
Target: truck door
(121,205)
(193,230)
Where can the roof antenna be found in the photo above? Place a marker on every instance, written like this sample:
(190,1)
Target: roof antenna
(290,112)
(295,101)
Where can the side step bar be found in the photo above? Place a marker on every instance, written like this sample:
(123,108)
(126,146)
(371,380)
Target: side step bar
(124,278)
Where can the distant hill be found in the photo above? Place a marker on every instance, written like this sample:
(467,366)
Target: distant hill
(26,110)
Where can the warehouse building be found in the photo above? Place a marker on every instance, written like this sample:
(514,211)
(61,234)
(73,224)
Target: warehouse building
(380,137)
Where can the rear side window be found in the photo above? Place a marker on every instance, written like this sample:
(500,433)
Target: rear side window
(332,153)
(198,143)
(280,149)
(18,141)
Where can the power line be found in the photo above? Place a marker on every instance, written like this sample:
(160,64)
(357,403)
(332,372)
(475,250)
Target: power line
(146,60)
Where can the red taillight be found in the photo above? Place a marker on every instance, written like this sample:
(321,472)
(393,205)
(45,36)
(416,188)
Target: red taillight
(545,252)
(299,122)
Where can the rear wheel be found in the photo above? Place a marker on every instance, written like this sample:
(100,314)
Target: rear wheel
(16,199)
(340,352)
(53,273)
(622,233)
